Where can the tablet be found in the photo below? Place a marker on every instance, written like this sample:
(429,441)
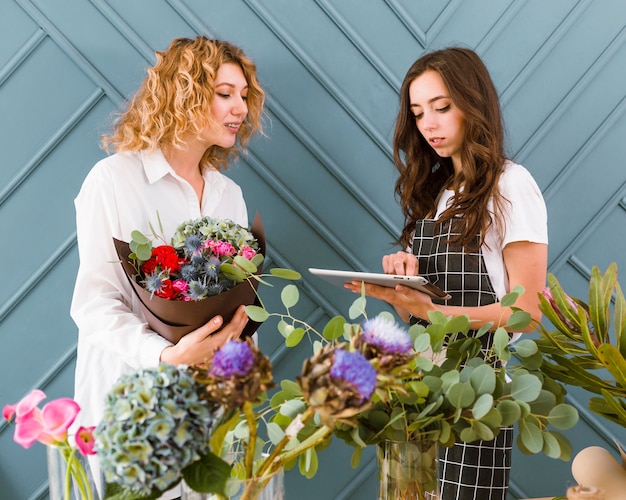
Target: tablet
(420,283)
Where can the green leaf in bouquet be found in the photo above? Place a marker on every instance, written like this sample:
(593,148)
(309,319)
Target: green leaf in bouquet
(531,436)
(286,274)
(207,475)
(257,260)
(295,337)
(232,272)
(609,408)
(482,406)
(139,238)
(525,387)
(493,419)
(245,264)
(614,363)
(510,412)
(257,313)
(289,296)
(563,417)
(334,328)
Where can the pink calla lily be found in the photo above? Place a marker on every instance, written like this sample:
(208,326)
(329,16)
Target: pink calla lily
(48,425)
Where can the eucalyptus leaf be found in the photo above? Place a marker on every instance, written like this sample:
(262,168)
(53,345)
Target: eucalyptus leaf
(525,388)
(483,380)
(461,395)
(245,264)
(287,274)
(140,238)
(295,337)
(232,272)
(292,407)
(531,436)
(551,445)
(256,313)
(563,417)
(275,433)
(526,347)
(334,328)
(357,308)
(482,406)
(519,320)
(289,296)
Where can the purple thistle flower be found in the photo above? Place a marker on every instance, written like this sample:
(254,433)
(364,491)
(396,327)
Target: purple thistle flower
(352,367)
(387,335)
(233,358)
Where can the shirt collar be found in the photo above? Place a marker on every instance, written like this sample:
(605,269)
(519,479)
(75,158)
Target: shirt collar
(155,165)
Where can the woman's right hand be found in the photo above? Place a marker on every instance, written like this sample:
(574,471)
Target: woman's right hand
(402,263)
(199,346)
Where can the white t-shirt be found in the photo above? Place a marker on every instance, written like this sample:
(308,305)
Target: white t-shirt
(124,192)
(526,219)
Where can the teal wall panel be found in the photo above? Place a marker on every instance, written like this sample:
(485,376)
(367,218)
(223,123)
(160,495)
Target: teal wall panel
(323,176)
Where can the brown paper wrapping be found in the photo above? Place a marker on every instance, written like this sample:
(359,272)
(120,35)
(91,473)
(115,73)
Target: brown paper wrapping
(173,319)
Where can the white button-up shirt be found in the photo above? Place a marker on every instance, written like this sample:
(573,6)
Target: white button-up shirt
(124,192)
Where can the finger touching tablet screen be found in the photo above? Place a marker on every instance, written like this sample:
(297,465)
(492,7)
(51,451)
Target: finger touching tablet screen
(337,277)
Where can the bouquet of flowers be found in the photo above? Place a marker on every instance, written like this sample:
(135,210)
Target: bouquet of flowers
(211,266)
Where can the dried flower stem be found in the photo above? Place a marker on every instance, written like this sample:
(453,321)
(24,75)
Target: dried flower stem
(250,418)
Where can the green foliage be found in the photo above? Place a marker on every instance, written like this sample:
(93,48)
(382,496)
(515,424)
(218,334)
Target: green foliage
(587,349)
(449,387)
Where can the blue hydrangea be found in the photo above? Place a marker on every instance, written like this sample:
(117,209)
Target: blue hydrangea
(233,358)
(352,367)
(387,335)
(155,424)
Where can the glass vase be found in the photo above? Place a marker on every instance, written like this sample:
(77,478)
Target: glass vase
(407,470)
(69,475)
(270,487)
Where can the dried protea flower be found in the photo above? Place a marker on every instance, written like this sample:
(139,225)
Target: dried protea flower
(238,373)
(338,384)
(383,339)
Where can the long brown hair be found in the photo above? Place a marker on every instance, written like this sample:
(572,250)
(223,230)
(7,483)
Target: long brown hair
(423,174)
(175,98)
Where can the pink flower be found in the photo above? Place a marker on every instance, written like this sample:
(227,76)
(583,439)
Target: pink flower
(220,248)
(48,425)
(85,441)
(247,252)
(181,286)
(24,407)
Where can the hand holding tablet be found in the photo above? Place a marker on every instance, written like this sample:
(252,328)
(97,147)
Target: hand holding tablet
(338,278)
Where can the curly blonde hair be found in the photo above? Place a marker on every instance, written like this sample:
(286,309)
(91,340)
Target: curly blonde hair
(175,97)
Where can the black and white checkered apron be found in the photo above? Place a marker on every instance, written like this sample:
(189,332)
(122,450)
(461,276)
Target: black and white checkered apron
(478,470)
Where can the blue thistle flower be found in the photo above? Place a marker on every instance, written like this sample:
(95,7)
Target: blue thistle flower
(198,290)
(189,272)
(197,259)
(387,335)
(215,289)
(193,244)
(154,282)
(233,358)
(352,367)
(212,268)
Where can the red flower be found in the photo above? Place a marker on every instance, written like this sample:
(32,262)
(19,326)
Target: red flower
(163,257)
(167,291)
